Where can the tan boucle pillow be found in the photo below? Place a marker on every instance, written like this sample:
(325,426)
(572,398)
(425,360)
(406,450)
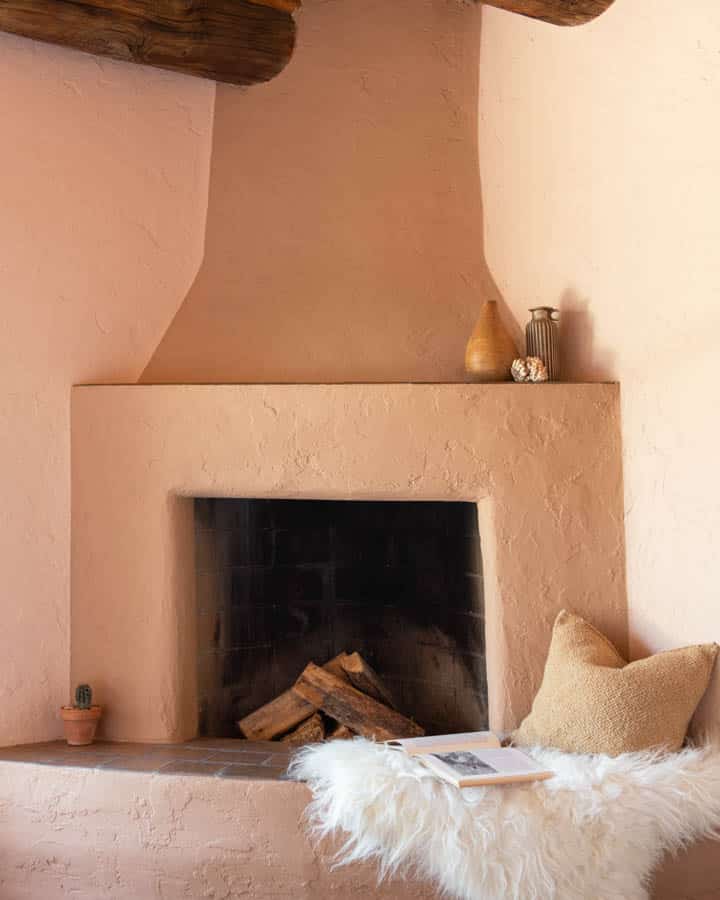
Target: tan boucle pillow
(591,700)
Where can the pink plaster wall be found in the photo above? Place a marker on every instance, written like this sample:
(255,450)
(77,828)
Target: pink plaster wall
(103,192)
(600,162)
(96,834)
(543,464)
(99,834)
(345,225)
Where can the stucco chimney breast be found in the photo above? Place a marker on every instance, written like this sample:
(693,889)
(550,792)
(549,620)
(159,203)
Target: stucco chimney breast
(540,464)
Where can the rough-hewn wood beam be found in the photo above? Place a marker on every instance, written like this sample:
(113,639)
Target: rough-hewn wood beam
(557,12)
(237,41)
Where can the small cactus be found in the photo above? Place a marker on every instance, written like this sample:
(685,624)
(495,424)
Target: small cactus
(83,696)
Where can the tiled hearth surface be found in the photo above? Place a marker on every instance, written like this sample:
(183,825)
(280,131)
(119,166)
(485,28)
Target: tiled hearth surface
(222,758)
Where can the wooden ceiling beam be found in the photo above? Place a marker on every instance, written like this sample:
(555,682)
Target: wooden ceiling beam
(557,12)
(236,41)
(287,5)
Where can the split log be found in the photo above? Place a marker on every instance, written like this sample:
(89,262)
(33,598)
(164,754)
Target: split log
(350,707)
(276,717)
(557,12)
(362,676)
(284,712)
(337,664)
(309,732)
(341,733)
(237,41)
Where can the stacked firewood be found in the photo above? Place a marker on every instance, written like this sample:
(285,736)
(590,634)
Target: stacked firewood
(343,698)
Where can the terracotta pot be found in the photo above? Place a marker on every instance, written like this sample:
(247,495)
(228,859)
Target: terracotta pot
(80,724)
(491,350)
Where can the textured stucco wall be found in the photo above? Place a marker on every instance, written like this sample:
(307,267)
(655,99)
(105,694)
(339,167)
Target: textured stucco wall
(92,834)
(345,225)
(103,191)
(96,835)
(600,161)
(543,463)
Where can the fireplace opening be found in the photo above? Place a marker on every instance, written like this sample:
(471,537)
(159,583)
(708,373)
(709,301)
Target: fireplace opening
(281,583)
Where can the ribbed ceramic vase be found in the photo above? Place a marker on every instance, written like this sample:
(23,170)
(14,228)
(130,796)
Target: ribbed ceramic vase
(543,339)
(490,350)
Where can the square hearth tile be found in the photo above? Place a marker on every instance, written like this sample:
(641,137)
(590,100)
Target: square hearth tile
(185,752)
(278,760)
(84,760)
(234,744)
(190,767)
(227,757)
(40,754)
(151,763)
(239,757)
(268,773)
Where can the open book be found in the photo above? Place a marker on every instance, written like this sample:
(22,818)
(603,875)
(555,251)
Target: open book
(472,759)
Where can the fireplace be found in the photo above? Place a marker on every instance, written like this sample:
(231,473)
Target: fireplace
(284,582)
(540,467)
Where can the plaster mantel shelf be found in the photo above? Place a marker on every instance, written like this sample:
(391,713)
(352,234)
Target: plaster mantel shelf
(359,384)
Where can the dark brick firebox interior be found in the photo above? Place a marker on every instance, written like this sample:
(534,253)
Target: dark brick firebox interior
(283,582)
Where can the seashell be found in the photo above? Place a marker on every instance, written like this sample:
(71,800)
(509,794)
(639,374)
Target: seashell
(537,370)
(519,370)
(529,370)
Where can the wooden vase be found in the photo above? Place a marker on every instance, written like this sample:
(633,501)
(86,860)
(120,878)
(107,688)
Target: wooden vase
(490,350)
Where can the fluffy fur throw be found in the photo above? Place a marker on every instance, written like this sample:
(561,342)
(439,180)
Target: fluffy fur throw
(597,829)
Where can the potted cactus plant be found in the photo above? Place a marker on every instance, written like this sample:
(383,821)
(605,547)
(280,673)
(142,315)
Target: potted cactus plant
(81,719)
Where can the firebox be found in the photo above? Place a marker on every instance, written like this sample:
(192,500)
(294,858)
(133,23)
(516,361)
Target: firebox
(281,583)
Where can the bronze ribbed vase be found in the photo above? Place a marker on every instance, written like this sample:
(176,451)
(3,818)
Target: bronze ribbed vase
(543,339)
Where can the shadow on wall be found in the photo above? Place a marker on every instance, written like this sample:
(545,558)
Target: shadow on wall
(582,359)
(345,233)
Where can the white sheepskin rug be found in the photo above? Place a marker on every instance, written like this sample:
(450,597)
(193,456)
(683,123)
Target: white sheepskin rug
(595,830)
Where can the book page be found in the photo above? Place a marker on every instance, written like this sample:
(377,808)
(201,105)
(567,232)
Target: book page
(466,763)
(509,761)
(484,766)
(436,743)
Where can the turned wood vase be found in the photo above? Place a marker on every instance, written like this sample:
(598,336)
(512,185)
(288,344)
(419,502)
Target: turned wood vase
(491,350)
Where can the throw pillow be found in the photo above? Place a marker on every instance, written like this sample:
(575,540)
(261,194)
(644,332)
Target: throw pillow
(591,700)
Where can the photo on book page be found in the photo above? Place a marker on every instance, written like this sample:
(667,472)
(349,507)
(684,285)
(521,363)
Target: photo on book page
(465,762)
(481,766)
